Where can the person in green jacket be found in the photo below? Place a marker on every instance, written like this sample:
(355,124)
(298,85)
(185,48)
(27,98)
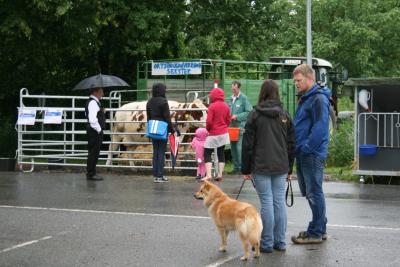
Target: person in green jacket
(240,107)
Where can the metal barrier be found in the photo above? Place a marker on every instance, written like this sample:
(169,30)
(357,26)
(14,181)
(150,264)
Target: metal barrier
(380,129)
(65,144)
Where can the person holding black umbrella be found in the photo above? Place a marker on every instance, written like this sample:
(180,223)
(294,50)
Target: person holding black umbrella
(96,123)
(96,120)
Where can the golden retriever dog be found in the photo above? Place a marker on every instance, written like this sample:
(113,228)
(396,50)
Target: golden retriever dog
(229,215)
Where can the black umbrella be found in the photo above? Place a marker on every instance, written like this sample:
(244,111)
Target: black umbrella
(100,80)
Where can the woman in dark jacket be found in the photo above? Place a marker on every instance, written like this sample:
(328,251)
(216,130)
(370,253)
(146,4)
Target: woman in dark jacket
(157,108)
(268,153)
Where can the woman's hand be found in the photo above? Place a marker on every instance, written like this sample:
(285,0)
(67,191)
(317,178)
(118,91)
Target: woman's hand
(247,176)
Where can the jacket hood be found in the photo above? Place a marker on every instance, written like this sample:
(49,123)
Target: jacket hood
(316,89)
(201,134)
(217,94)
(270,108)
(159,90)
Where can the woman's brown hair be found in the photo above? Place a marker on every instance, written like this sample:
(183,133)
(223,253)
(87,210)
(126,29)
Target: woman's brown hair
(269,90)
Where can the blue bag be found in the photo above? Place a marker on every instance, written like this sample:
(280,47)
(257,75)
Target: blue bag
(157,130)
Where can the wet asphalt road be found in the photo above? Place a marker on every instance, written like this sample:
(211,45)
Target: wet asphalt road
(60,219)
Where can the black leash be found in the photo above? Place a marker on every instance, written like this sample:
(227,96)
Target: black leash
(289,189)
(240,189)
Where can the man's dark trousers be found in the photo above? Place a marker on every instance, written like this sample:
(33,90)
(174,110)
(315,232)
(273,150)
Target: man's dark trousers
(94,145)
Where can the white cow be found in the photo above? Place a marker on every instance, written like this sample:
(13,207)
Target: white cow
(132,118)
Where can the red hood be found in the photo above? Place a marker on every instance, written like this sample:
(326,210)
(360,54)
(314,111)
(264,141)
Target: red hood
(217,94)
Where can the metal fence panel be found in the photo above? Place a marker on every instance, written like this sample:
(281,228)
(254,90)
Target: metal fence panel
(65,144)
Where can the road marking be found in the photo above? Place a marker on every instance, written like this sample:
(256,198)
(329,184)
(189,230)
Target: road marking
(222,261)
(181,216)
(395,262)
(107,212)
(26,244)
(363,227)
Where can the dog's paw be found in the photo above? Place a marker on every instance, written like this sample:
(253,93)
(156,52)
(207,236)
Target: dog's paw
(244,258)
(222,249)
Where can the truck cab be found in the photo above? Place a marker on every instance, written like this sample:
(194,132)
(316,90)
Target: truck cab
(321,67)
(325,75)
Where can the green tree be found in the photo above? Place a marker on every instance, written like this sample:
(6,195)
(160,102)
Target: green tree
(239,29)
(359,35)
(49,45)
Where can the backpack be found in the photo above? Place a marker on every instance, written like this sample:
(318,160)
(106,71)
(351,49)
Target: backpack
(157,130)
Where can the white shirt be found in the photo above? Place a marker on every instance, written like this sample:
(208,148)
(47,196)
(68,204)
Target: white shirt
(235,97)
(93,108)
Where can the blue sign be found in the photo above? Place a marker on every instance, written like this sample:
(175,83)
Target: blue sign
(26,116)
(52,116)
(176,68)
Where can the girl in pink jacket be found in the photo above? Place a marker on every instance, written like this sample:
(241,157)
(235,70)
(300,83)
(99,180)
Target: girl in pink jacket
(198,145)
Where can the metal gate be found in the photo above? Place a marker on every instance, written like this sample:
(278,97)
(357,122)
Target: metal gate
(65,144)
(382,130)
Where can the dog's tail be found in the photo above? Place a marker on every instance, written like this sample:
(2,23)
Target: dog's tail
(253,228)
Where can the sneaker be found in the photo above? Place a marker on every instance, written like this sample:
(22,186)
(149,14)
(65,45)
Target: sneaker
(198,177)
(95,178)
(280,248)
(266,250)
(164,179)
(324,236)
(304,238)
(156,180)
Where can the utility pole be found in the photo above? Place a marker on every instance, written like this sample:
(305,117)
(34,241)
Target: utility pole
(309,37)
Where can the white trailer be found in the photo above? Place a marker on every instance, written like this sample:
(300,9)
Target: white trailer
(376,126)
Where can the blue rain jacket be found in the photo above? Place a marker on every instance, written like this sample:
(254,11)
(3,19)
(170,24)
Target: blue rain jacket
(311,122)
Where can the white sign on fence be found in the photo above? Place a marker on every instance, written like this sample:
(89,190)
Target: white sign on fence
(176,68)
(26,116)
(52,116)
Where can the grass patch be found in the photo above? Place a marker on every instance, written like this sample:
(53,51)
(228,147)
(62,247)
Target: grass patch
(341,145)
(341,173)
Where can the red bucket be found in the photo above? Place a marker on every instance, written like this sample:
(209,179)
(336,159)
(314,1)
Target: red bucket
(234,134)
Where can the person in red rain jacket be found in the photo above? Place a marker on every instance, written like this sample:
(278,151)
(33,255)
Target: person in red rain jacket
(218,120)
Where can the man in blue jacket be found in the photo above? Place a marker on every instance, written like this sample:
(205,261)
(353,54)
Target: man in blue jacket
(311,123)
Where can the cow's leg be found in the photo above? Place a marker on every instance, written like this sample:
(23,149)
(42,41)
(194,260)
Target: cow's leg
(130,156)
(113,147)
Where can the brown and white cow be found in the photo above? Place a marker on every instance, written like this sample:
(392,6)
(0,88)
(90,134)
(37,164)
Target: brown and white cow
(132,118)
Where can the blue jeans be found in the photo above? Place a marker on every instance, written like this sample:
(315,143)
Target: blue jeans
(310,175)
(271,191)
(159,147)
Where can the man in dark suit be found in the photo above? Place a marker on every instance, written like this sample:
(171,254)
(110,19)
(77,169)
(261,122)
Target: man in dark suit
(96,123)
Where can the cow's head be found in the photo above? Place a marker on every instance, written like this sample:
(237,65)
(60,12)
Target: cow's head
(189,120)
(195,118)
